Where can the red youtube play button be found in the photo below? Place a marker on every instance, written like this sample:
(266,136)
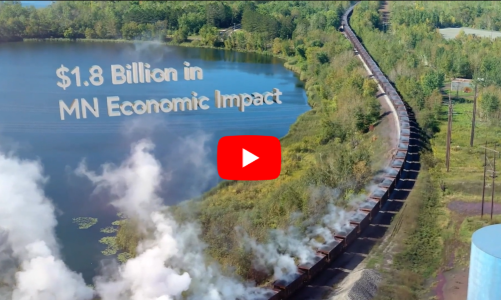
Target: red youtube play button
(249,157)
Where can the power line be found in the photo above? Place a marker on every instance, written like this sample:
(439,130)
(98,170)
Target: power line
(449,129)
(493,177)
(474,113)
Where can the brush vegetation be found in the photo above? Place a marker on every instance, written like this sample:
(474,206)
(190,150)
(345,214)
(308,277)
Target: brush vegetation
(421,64)
(328,146)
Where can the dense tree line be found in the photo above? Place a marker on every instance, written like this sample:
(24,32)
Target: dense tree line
(325,147)
(162,19)
(419,61)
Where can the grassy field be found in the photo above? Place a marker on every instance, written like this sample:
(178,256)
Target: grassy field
(464,180)
(465,177)
(432,233)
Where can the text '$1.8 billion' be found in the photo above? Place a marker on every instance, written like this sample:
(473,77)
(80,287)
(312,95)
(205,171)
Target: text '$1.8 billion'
(135,73)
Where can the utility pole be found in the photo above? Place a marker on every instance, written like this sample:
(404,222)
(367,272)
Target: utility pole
(483,188)
(449,129)
(473,116)
(474,112)
(493,176)
(496,153)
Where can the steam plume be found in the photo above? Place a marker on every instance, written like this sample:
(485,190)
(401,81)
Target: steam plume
(171,260)
(284,245)
(29,256)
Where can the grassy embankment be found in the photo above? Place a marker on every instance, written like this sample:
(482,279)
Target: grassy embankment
(433,238)
(414,251)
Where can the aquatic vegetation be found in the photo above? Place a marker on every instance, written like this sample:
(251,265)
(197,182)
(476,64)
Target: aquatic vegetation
(110,242)
(85,222)
(118,222)
(109,229)
(124,256)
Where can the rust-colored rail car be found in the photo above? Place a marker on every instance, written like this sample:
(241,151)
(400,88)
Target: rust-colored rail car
(332,250)
(313,268)
(371,206)
(288,287)
(274,294)
(348,234)
(361,220)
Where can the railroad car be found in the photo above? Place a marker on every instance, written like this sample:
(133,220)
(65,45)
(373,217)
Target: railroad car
(274,294)
(371,206)
(401,154)
(386,183)
(288,287)
(397,163)
(405,132)
(332,250)
(328,252)
(389,184)
(393,172)
(348,234)
(401,108)
(403,146)
(378,193)
(398,101)
(313,268)
(404,124)
(361,220)
(402,114)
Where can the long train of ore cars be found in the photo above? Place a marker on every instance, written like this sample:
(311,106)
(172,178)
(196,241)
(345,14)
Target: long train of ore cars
(281,289)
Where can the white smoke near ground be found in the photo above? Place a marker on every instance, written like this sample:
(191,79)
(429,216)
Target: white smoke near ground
(30,267)
(284,246)
(170,261)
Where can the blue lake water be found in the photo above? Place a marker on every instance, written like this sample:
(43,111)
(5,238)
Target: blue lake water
(36,4)
(30,121)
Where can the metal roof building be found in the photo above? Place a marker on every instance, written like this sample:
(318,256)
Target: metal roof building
(484,282)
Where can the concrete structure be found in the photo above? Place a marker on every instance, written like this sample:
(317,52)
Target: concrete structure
(461,84)
(484,282)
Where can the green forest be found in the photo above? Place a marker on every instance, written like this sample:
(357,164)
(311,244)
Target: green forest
(330,145)
(421,64)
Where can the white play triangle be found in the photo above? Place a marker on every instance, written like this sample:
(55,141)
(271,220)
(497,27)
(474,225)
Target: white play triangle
(248,157)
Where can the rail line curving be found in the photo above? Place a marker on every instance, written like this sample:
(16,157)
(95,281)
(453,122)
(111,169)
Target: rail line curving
(397,171)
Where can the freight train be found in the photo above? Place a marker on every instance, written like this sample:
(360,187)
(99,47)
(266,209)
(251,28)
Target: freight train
(282,289)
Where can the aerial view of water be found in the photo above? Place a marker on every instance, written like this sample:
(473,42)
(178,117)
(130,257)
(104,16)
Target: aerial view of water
(36,4)
(30,122)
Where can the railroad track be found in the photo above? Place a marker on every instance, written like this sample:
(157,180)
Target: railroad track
(373,216)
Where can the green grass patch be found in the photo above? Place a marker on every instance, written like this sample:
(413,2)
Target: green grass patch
(472,224)
(465,178)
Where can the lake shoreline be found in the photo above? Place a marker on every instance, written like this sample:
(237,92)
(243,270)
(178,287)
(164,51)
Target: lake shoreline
(284,61)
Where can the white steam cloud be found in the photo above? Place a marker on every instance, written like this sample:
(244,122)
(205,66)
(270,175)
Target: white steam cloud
(30,267)
(284,245)
(171,260)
